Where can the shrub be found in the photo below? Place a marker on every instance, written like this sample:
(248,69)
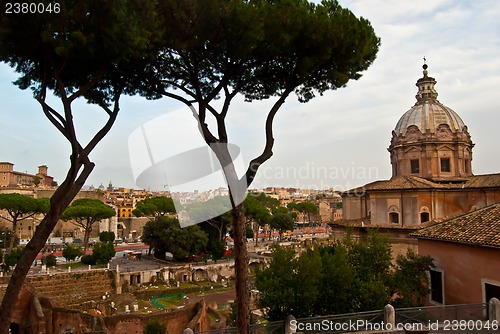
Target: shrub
(88,259)
(49,260)
(103,252)
(12,257)
(107,236)
(71,252)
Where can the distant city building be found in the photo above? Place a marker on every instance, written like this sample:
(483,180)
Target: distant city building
(431,154)
(11,178)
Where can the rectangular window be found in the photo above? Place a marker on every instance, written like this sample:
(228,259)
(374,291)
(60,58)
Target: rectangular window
(424,217)
(437,291)
(394,217)
(467,166)
(445,165)
(491,291)
(415,166)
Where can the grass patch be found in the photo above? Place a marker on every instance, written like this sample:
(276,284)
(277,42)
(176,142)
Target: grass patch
(168,301)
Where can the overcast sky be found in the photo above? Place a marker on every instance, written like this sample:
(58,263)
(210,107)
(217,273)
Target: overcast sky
(337,140)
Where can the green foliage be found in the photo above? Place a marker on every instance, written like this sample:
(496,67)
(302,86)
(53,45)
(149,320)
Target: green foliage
(410,283)
(256,210)
(71,252)
(258,207)
(277,285)
(154,207)
(107,236)
(279,209)
(353,276)
(306,208)
(76,43)
(249,232)
(103,252)
(307,283)
(13,256)
(49,260)
(215,227)
(88,259)
(282,222)
(43,205)
(217,249)
(88,209)
(198,211)
(338,283)
(165,235)
(84,212)
(154,327)
(18,205)
(263,48)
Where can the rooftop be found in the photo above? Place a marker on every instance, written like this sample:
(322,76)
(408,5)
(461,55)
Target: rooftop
(416,183)
(480,227)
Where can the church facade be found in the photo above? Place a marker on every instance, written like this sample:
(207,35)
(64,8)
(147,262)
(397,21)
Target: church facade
(431,158)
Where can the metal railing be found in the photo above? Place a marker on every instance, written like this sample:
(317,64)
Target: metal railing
(441,313)
(275,327)
(340,323)
(365,321)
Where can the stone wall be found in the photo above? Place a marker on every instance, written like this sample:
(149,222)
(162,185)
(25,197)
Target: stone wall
(73,289)
(55,304)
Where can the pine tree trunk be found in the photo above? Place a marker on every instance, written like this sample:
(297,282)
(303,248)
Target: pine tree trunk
(241,268)
(58,202)
(13,236)
(24,264)
(86,238)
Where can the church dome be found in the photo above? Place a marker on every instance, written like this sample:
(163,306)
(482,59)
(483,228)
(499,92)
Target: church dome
(428,116)
(428,113)
(430,140)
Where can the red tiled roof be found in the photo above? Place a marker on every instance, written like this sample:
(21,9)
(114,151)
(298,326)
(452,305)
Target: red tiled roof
(480,227)
(415,182)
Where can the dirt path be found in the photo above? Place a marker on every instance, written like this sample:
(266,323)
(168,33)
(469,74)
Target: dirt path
(221,298)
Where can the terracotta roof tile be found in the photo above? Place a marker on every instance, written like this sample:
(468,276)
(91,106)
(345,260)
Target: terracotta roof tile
(480,227)
(415,182)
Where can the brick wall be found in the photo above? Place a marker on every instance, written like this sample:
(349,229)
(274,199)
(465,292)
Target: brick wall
(73,289)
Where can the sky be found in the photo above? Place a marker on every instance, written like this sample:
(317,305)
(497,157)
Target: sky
(338,140)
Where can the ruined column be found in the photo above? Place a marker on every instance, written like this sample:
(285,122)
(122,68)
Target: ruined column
(494,310)
(118,283)
(389,317)
(290,324)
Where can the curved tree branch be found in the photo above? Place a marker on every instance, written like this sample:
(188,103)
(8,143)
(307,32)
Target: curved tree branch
(268,149)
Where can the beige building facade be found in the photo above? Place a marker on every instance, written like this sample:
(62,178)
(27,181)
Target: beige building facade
(11,178)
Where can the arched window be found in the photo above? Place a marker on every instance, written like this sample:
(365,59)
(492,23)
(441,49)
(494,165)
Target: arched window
(393,214)
(474,208)
(425,215)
